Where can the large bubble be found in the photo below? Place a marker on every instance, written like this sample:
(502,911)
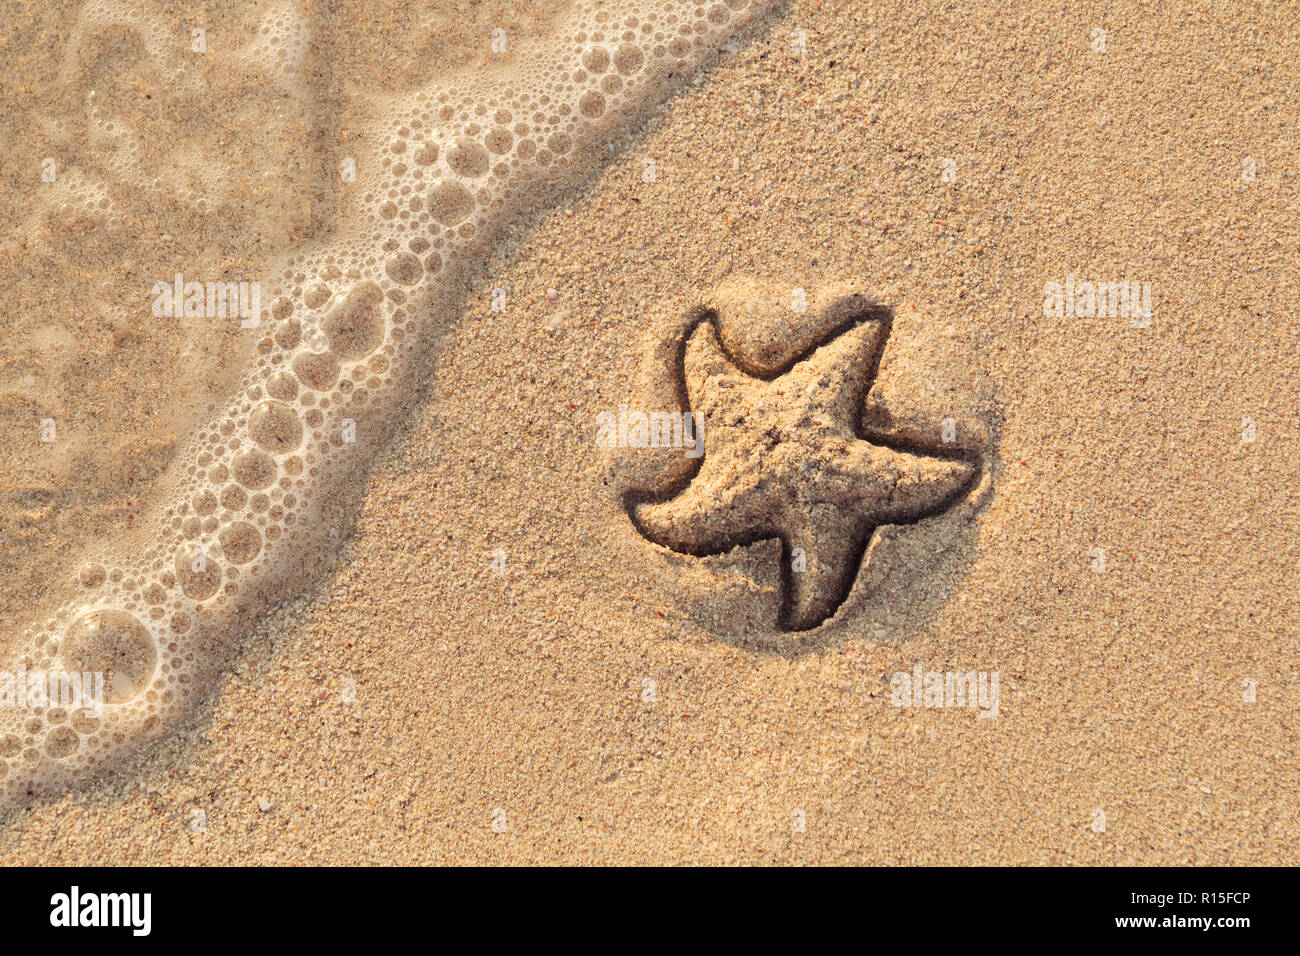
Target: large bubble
(112,643)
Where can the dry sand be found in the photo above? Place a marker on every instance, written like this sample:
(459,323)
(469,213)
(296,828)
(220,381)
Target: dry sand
(602,699)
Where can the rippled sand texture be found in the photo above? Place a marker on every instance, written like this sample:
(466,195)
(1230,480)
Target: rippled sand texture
(256,497)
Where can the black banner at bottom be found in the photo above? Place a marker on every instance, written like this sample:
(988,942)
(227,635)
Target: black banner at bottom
(334,906)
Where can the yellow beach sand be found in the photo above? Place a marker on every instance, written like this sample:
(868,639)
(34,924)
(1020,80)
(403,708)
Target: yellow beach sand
(494,664)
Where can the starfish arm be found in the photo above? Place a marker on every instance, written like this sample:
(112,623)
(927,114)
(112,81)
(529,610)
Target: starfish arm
(910,485)
(836,369)
(709,373)
(820,565)
(704,518)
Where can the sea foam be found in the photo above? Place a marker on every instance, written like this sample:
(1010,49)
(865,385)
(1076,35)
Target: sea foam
(258,500)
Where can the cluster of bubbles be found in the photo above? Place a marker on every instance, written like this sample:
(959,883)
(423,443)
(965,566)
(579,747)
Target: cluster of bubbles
(341,338)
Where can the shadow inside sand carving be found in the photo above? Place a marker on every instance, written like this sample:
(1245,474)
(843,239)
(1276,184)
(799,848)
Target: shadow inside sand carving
(869,424)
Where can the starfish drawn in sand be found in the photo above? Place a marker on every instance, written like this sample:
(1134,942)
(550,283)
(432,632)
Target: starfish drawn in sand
(785,457)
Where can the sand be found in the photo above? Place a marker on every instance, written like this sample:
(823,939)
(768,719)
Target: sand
(498,668)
